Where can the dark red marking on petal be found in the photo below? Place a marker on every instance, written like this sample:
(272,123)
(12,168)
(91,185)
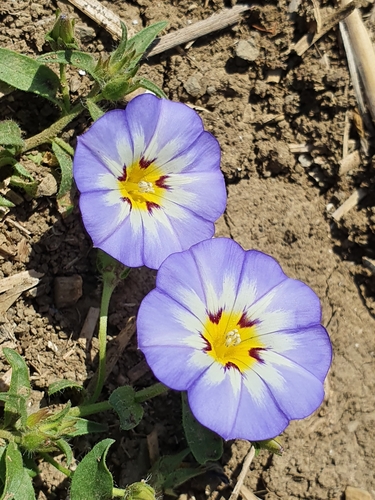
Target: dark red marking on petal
(124,175)
(161,182)
(245,322)
(255,353)
(215,317)
(128,200)
(231,365)
(143,163)
(151,206)
(208,346)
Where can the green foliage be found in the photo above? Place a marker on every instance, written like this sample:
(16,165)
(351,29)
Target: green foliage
(10,134)
(205,445)
(129,411)
(66,166)
(272,445)
(169,472)
(19,390)
(61,385)
(142,40)
(92,479)
(62,34)
(18,485)
(75,58)
(28,75)
(94,110)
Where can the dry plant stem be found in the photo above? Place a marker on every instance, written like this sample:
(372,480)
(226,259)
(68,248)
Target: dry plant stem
(109,21)
(350,203)
(242,475)
(363,53)
(48,134)
(307,40)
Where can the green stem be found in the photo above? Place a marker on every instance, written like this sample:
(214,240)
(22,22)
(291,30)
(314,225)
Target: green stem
(48,134)
(118,492)
(151,392)
(64,88)
(50,460)
(89,409)
(109,284)
(140,397)
(9,436)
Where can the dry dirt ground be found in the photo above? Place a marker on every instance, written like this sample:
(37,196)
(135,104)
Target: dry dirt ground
(281,121)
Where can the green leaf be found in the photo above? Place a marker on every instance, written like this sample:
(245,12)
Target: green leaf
(61,385)
(116,88)
(142,40)
(148,85)
(19,169)
(6,203)
(66,165)
(66,449)
(94,110)
(19,389)
(205,445)
(129,411)
(81,426)
(30,187)
(2,466)
(28,75)
(10,134)
(75,58)
(117,54)
(92,479)
(272,445)
(18,484)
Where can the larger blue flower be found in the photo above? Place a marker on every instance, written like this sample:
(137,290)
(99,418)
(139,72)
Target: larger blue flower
(150,181)
(244,340)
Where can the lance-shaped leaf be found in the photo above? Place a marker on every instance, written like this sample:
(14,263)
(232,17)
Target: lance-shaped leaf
(75,58)
(18,485)
(28,75)
(66,449)
(205,445)
(61,385)
(148,85)
(92,479)
(81,426)
(66,166)
(94,110)
(142,40)
(10,134)
(117,54)
(19,389)
(129,411)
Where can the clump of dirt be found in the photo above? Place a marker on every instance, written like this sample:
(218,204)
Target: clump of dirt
(280,120)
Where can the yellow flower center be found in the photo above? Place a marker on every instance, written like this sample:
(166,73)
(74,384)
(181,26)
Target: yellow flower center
(232,340)
(143,185)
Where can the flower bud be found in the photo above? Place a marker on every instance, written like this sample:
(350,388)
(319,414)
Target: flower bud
(139,491)
(62,34)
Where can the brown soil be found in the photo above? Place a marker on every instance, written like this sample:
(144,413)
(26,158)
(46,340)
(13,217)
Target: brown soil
(279,202)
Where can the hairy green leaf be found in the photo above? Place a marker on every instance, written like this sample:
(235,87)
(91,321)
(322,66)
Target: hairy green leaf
(117,54)
(92,479)
(61,385)
(6,203)
(18,485)
(66,449)
(94,110)
(19,390)
(142,40)
(10,134)
(81,426)
(66,166)
(129,411)
(148,85)
(205,445)
(80,60)
(28,75)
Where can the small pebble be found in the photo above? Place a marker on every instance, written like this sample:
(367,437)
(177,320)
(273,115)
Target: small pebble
(247,50)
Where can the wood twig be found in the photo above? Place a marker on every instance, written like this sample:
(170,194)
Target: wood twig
(242,474)
(350,203)
(111,22)
(363,54)
(308,40)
